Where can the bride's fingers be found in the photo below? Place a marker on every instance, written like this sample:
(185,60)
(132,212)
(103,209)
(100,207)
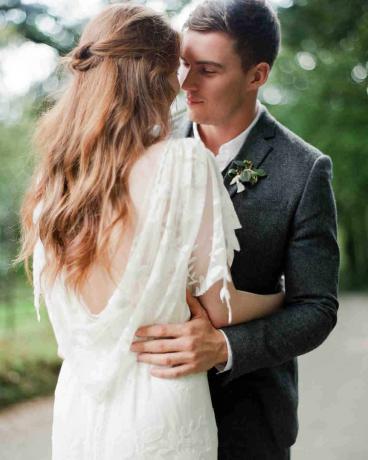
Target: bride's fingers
(172,372)
(156,346)
(165,359)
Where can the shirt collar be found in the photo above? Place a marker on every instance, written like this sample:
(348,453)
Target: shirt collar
(230,149)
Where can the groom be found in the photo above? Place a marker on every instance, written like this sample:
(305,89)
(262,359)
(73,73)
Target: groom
(288,236)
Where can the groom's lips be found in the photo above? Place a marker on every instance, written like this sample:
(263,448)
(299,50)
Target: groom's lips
(193,101)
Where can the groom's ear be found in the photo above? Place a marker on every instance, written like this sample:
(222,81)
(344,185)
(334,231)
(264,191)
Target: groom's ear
(258,75)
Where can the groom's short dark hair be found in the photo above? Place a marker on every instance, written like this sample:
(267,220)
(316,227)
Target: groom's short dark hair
(253,24)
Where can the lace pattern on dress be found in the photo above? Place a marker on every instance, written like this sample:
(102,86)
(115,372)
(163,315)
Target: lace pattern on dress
(187,183)
(216,241)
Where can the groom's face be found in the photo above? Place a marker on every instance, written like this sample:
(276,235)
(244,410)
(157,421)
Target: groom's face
(212,76)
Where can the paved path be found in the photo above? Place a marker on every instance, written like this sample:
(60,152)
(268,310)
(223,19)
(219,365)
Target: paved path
(333,407)
(333,383)
(25,431)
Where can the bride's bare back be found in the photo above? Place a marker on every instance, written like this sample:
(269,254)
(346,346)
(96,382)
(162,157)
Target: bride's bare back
(99,286)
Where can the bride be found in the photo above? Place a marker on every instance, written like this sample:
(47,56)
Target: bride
(120,221)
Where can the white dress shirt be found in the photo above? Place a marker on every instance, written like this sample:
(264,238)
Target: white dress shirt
(225,156)
(228,151)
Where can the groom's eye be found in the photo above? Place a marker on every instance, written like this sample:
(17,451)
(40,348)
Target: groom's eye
(208,71)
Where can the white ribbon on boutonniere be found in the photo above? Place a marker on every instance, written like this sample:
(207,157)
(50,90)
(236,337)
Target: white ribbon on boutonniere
(243,172)
(239,186)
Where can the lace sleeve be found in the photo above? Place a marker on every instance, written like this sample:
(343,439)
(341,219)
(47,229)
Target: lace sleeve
(216,241)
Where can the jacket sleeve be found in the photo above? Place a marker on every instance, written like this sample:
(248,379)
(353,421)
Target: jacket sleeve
(311,279)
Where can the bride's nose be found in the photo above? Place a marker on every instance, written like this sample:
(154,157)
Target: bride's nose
(183,75)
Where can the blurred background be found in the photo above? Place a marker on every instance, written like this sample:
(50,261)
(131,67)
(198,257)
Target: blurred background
(318,89)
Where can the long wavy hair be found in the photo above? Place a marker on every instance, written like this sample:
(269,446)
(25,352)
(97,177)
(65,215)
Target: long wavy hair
(118,93)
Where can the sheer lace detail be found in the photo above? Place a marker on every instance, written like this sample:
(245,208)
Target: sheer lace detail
(186,237)
(213,251)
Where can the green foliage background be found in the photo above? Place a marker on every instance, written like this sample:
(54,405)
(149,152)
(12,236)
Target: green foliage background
(328,106)
(320,82)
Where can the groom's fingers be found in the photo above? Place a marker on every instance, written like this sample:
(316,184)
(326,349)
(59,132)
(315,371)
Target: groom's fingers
(195,306)
(172,372)
(165,359)
(160,330)
(156,346)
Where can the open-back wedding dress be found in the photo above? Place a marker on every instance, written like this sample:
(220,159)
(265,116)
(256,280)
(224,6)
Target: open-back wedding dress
(107,405)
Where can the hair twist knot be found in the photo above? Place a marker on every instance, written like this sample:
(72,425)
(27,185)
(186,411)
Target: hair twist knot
(82,58)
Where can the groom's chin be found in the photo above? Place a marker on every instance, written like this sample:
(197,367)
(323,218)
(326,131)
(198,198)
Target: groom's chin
(195,117)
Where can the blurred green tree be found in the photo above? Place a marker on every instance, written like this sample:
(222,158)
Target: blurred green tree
(320,87)
(34,22)
(20,23)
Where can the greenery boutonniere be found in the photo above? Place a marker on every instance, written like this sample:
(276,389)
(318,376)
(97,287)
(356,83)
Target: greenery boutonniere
(243,172)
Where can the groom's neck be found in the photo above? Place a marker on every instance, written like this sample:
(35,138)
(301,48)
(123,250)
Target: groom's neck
(216,135)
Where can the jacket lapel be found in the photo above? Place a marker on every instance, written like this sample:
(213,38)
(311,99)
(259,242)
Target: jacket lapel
(256,148)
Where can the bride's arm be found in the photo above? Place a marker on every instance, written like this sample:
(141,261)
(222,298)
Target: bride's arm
(214,244)
(245,306)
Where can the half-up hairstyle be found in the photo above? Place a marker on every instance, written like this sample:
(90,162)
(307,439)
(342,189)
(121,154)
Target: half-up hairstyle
(119,91)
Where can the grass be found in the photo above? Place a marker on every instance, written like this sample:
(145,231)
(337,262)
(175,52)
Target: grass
(29,364)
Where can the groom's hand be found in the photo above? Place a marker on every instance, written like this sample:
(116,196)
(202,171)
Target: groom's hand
(183,349)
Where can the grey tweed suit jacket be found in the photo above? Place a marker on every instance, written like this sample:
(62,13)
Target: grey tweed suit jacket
(288,230)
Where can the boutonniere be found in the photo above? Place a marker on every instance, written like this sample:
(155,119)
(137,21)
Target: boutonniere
(243,172)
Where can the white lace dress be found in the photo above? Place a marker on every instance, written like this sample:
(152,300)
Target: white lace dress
(107,405)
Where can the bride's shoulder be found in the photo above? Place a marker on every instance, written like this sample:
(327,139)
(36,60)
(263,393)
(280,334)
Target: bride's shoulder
(189,148)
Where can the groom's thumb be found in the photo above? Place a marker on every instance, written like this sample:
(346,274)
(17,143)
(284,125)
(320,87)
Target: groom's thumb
(195,307)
